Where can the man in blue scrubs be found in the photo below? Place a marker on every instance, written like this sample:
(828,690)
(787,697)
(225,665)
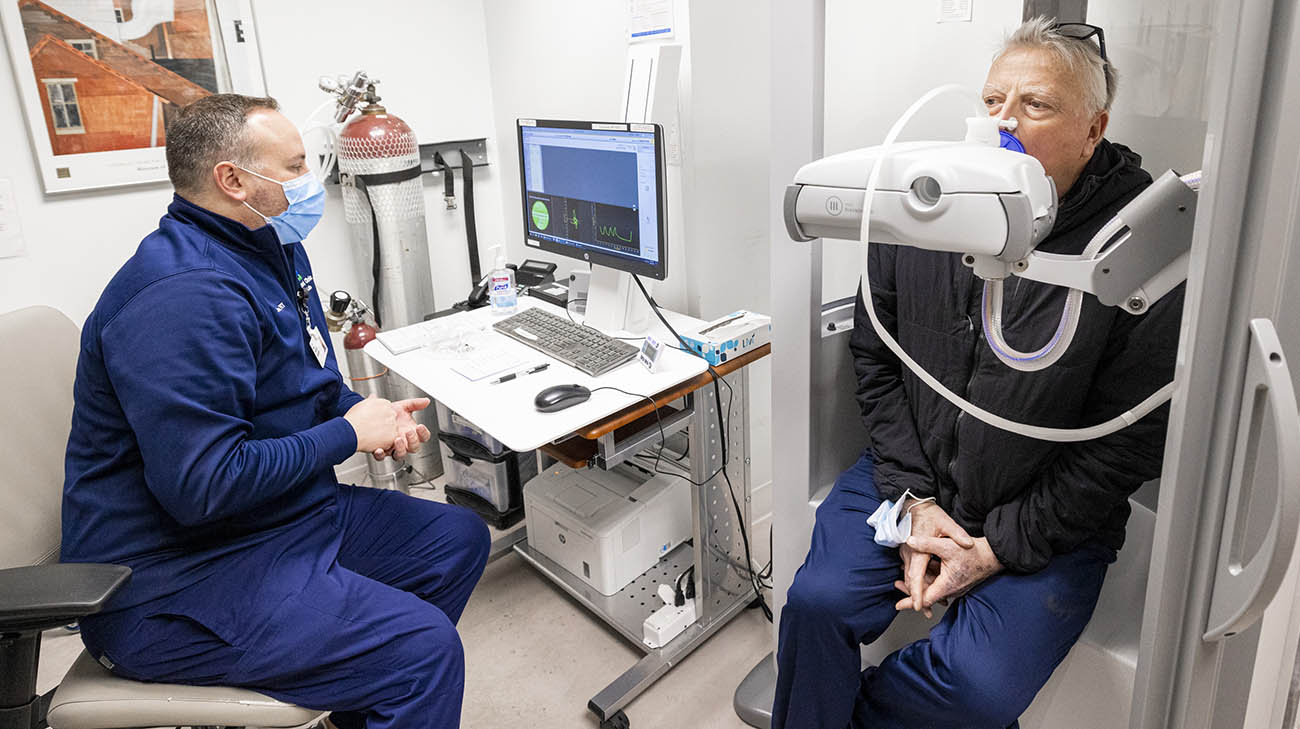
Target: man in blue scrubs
(209,416)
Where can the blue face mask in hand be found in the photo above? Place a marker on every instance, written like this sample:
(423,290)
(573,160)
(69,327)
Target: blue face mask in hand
(306,198)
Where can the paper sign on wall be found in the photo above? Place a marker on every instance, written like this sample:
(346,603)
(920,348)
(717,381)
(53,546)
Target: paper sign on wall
(11,231)
(955,11)
(650,19)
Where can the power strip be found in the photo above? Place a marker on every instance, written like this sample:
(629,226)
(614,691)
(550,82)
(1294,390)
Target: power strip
(668,621)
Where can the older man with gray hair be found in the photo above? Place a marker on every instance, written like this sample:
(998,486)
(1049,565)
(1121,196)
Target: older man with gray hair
(209,414)
(1015,533)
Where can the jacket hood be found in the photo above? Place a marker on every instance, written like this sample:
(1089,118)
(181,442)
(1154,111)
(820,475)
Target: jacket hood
(1114,172)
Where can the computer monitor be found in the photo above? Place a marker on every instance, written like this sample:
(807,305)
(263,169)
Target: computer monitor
(595,191)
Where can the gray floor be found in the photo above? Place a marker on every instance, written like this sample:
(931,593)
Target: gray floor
(534,658)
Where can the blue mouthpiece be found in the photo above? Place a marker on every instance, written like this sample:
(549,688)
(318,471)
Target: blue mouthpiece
(1010,142)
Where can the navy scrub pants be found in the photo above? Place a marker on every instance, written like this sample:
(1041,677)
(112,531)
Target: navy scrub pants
(984,661)
(355,613)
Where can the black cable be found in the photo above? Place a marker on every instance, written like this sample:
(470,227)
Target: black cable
(361,184)
(722,424)
(570,313)
(471,225)
(663,437)
(744,571)
(766,573)
(584,324)
(679,596)
(749,571)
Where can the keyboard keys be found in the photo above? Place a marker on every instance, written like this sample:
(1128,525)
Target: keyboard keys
(584,348)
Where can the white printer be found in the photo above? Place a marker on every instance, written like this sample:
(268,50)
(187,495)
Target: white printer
(606,527)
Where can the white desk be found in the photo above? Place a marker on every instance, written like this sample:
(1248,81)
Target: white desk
(506,410)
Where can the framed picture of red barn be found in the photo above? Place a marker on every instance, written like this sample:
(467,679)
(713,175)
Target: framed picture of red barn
(100,78)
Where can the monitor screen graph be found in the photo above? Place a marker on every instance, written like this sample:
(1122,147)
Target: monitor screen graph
(594,191)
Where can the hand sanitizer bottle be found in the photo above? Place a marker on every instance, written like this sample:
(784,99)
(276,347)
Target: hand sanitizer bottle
(501,286)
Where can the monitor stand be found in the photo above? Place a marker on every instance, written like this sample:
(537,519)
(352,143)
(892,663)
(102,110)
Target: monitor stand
(615,303)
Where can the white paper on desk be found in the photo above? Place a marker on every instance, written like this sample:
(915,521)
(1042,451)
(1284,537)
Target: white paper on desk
(400,341)
(488,361)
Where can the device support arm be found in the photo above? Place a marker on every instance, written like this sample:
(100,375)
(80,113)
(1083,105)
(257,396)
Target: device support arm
(1143,253)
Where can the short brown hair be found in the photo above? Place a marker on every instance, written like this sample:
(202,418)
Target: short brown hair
(209,131)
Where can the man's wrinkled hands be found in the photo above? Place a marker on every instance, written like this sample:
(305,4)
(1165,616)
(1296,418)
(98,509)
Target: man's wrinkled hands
(959,570)
(408,434)
(928,520)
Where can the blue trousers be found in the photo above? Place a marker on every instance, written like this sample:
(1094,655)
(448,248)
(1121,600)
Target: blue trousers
(983,663)
(352,610)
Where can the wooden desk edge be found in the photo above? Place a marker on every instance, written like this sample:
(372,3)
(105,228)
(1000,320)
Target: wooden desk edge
(631,413)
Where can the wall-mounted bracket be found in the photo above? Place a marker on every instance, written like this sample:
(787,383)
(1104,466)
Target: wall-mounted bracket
(450,151)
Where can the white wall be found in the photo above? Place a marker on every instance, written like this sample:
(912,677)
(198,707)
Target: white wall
(550,60)
(726,184)
(75,242)
(879,58)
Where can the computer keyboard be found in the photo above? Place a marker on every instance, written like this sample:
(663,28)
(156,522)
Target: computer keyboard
(582,347)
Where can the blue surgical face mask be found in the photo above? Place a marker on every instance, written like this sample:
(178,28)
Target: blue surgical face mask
(306,198)
(892,523)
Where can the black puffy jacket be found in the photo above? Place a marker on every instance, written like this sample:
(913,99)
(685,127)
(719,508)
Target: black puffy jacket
(1031,499)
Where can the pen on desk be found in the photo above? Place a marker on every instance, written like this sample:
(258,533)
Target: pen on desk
(513,375)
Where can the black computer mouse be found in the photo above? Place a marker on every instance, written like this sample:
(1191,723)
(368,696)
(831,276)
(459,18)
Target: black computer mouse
(560,397)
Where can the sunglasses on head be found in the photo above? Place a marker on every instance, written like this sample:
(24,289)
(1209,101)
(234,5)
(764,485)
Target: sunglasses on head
(1083,31)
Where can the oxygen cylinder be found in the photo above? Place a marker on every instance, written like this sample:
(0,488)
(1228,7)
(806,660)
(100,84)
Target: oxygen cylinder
(377,143)
(383,202)
(366,378)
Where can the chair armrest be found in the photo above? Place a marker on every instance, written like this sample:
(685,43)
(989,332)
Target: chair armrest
(47,596)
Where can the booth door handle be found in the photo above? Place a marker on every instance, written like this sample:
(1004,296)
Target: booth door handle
(1243,589)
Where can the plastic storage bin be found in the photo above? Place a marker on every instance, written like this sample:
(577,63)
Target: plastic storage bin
(482,474)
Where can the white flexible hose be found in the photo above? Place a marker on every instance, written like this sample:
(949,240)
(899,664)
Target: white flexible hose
(1059,435)
(312,116)
(330,154)
(1040,359)
(331,130)
(1051,352)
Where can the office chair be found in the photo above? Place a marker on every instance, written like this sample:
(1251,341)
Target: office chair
(37,365)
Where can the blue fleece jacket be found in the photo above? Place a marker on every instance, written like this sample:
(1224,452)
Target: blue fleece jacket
(202,423)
